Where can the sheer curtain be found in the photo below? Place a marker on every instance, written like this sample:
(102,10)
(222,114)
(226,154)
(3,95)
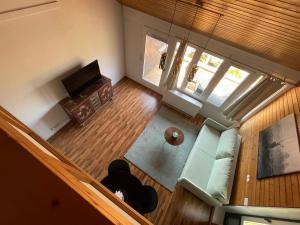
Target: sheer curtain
(253,98)
(172,79)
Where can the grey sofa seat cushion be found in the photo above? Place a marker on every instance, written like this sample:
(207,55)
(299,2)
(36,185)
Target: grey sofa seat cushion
(208,140)
(198,168)
(218,183)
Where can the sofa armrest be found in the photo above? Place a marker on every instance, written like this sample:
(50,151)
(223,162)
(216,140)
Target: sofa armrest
(199,192)
(215,124)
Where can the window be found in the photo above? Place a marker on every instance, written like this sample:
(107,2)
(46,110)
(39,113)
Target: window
(228,84)
(154,49)
(203,76)
(207,67)
(253,223)
(187,59)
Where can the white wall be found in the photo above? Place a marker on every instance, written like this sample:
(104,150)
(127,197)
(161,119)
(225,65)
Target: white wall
(135,23)
(37,50)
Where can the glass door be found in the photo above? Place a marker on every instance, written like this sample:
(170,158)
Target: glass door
(155,50)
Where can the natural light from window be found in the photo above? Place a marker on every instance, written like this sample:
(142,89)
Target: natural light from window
(207,67)
(253,223)
(154,48)
(228,84)
(187,59)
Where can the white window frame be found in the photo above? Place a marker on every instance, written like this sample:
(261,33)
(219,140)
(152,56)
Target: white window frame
(219,74)
(203,96)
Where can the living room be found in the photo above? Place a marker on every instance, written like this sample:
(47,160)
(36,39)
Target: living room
(173,86)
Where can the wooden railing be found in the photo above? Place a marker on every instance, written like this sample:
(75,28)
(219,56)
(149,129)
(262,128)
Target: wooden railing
(68,171)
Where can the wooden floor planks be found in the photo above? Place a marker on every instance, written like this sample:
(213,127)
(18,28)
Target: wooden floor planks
(281,191)
(109,135)
(118,124)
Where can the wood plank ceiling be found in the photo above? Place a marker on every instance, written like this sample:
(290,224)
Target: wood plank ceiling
(269,28)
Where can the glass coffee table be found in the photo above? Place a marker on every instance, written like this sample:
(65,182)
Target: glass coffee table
(174,136)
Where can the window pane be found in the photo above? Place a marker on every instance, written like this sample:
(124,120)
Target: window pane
(228,84)
(187,58)
(253,223)
(153,50)
(207,67)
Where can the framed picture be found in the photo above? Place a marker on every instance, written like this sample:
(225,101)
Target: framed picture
(278,152)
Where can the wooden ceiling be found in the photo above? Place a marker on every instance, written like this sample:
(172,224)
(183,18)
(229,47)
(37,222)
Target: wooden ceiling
(269,28)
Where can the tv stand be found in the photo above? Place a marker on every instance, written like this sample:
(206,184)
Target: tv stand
(83,107)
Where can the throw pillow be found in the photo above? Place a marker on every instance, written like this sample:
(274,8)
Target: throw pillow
(219,180)
(227,144)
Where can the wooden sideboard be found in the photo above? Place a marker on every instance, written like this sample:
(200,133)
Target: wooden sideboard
(82,108)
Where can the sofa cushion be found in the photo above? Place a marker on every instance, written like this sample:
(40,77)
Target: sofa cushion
(219,179)
(227,144)
(208,140)
(198,168)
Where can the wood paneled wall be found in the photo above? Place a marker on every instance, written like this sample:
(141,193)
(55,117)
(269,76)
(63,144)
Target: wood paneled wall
(40,183)
(269,28)
(32,194)
(281,191)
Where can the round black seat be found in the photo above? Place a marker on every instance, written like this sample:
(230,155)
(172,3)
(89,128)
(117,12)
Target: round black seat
(142,198)
(118,165)
(149,199)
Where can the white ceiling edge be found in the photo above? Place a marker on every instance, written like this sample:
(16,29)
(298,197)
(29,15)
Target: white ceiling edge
(272,212)
(27,11)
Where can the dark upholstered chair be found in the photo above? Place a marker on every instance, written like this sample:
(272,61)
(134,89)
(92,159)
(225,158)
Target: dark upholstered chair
(117,166)
(142,198)
(149,199)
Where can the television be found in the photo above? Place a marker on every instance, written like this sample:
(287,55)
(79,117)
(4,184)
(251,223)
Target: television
(82,79)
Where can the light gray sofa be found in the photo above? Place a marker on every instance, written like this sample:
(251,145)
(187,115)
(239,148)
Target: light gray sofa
(209,172)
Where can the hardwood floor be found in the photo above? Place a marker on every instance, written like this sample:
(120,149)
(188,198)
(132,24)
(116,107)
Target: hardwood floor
(280,191)
(109,135)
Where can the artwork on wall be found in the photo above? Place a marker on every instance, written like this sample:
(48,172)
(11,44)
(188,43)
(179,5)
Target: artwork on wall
(278,150)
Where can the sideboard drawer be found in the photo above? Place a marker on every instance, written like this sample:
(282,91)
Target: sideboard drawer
(106,93)
(83,112)
(81,108)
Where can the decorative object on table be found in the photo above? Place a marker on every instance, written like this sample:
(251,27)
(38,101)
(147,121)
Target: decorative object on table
(174,136)
(120,195)
(163,164)
(129,188)
(278,151)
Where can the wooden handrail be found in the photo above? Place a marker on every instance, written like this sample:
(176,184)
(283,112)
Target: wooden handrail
(8,122)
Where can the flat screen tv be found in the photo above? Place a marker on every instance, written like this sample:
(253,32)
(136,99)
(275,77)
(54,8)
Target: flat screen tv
(82,79)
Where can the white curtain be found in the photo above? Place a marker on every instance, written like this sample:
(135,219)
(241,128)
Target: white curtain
(253,98)
(172,79)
